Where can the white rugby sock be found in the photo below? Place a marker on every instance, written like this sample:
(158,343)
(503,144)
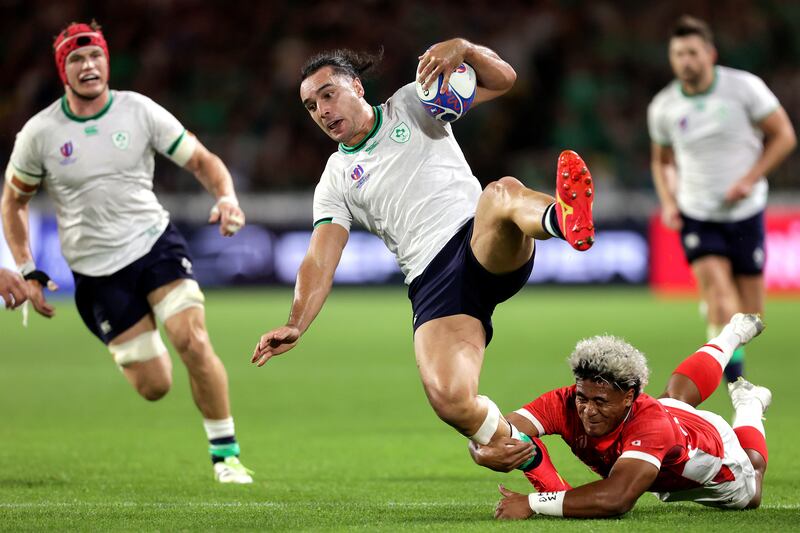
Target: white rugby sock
(217,429)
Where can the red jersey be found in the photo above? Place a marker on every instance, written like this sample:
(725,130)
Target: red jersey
(686,448)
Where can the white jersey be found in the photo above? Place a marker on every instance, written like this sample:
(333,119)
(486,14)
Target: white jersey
(407,182)
(715,140)
(99,172)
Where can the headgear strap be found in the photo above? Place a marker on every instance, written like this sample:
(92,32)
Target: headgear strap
(76,35)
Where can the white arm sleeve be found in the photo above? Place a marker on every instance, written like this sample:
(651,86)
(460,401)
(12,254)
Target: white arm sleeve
(168,136)
(659,133)
(759,100)
(25,163)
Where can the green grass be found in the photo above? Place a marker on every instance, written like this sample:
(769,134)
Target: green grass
(339,431)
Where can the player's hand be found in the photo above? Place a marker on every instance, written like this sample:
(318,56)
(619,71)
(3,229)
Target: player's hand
(739,191)
(274,343)
(13,289)
(229,215)
(36,297)
(513,505)
(503,454)
(441,58)
(671,217)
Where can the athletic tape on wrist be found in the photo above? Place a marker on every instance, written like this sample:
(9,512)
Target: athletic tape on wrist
(26,268)
(547,503)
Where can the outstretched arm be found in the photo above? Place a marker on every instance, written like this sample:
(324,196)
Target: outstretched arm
(613,496)
(495,76)
(15,227)
(314,282)
(209,170)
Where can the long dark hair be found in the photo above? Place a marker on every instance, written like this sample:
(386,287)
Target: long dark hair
(344,61)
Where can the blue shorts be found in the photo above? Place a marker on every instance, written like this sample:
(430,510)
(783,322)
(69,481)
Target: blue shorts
(111,304)
(741,242)
(455,283)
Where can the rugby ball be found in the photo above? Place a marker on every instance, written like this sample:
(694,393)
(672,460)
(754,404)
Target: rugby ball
(456,100)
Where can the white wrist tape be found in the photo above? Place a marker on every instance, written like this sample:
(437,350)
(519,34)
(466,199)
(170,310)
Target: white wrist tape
(547,503)
(26,268)
(236,222)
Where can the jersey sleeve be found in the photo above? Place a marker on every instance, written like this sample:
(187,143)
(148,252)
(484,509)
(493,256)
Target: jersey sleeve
(656,125)
(168,136)
(25,170)
(329,203)
(759,100)
(547,412)
(648,437)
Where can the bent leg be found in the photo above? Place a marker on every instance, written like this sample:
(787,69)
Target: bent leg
(449,353)
(143,359)
(698,376)
(507,219)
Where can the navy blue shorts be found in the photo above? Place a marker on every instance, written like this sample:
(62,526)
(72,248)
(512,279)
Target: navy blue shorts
(741,242)
(111,304)
(455,283)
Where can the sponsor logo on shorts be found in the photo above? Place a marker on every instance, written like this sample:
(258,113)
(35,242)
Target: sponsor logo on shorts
(359,176)
(67,149)
(758,257)
(691,241)
(105,327)
(187,265)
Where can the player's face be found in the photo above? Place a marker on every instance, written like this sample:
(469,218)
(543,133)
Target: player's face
(601,406)
(335,103)
(691,58)
(87,72)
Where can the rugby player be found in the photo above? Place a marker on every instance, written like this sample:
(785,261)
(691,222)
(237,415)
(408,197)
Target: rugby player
(401,174)
(716,133)
(93,150)
(635,442)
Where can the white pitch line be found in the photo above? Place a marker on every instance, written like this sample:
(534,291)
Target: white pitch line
(281,505)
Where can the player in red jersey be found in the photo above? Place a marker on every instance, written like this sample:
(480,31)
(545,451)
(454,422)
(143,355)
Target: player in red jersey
(635,442)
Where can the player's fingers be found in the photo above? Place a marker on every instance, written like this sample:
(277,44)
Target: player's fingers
(8,298)
(503,490)
(16,297)
(445,81)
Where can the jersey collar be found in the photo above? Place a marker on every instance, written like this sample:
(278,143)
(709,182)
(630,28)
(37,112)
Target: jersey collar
(72,116)
(375,127)
(707,91)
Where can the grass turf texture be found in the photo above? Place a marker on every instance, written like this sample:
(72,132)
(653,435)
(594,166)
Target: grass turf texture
(338,431)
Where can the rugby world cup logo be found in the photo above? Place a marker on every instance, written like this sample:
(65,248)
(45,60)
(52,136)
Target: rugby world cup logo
(359,176)
(66,149)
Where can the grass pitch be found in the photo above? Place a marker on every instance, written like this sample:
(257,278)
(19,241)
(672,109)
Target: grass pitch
(338,430)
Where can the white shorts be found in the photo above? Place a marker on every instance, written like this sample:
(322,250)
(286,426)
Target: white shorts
(734,494)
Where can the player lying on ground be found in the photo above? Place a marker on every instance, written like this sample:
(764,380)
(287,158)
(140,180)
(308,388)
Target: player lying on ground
(635,442)
(401,174)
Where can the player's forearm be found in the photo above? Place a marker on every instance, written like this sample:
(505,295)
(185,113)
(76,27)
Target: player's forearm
(661,182)
(776,149)
(493,73)
(312,288)
(600,499)
(15,225)
(216,178)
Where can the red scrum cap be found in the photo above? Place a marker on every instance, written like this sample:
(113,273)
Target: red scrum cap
(76,35)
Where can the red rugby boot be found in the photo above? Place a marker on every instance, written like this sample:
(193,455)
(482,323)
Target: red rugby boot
(574,196)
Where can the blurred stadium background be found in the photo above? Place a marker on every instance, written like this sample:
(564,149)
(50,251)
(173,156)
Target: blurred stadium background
(341,427)
(229,72)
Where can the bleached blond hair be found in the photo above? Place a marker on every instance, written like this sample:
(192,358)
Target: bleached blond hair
(610,359)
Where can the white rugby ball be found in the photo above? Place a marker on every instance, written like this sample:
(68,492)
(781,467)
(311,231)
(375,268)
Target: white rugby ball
(456,100)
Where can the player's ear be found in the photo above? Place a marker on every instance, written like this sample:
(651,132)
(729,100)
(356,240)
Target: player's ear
(358,87)
(629,398)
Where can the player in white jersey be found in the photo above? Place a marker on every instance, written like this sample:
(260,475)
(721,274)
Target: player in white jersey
(93,150)
(716,132)
(401,174)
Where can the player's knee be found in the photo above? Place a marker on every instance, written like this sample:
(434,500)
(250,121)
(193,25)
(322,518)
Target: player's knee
(755,503)
(452,405)
(153,389)
(501,190)
(193,343)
